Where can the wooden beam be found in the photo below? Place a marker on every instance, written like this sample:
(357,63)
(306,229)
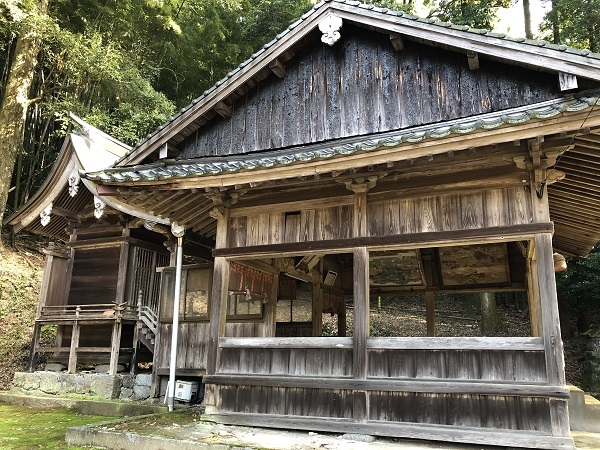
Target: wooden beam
(277,67)
(415,240)
(427,431)
(115,346)
(224,110)
(397,42)
(473,60)
(437,386)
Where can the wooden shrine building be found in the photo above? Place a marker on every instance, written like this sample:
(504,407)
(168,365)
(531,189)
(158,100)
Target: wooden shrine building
(362,153)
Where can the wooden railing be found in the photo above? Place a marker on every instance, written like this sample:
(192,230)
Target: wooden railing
(102,311)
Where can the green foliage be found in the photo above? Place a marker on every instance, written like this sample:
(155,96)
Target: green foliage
(575,23)
(474,13)
(579,286)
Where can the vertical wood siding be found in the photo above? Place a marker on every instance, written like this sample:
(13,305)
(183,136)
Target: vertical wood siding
(360,86)
(491,208)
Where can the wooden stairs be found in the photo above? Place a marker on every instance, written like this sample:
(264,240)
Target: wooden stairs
(147,325)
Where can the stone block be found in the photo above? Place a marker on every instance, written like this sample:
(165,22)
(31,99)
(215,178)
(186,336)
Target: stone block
(103,368)
(55,367)
(127,381)
(126,394)
(67,382)
(49,383)
(82,384)
(105,386)
(141,392)
(143,379)
(20,378)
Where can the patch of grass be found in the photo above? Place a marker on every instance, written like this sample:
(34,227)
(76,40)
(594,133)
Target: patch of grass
(31,428)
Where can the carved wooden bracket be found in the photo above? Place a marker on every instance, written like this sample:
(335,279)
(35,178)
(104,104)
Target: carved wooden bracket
(217,212)
(362,184)
(74,180)
(99,207)
(540,163)
(45,215)
(224,197)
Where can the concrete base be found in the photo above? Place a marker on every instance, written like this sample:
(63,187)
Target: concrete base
(584,411)
(88,407)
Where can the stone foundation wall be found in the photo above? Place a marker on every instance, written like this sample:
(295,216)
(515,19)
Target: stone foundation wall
(122,387)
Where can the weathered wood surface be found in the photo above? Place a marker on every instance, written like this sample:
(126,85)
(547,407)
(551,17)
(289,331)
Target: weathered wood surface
(94,276)
(413,385)
(448,212)
(285,342)
(416,240)
(381,90)
(457,343)
(512,438)
(503,365)
(287,361)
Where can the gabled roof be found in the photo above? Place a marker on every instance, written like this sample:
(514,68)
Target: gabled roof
(60,197)
(532,53)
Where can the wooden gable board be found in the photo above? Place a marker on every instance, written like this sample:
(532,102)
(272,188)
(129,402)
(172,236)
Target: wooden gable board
(532,54)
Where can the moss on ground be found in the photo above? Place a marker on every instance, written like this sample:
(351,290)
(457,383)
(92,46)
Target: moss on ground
(31,428)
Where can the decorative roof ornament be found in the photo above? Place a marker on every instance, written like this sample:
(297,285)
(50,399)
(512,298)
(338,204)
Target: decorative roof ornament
(177,230)
(99,206)
(74,180)
(330,27)
(45,215)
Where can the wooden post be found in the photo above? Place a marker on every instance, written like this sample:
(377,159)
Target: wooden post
(317,309)
(360,211)
(218,299)
(35,340)
(555,364)
(361,330)
(271,312)
(72,367)
(133,368)
(123,275)
(115,342)
(533,293)
(430,313)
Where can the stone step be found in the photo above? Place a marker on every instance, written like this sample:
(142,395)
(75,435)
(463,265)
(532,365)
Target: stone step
(584,411)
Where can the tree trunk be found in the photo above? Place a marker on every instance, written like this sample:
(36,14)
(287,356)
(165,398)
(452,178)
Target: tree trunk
(490,322)
(16,98)
(527,19)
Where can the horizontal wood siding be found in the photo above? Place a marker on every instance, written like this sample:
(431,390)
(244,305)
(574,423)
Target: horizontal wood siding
(322,362)
(95,275)
(287,401)
(485,411)
(192,342)
(488,365)
(362,85)
(449,212)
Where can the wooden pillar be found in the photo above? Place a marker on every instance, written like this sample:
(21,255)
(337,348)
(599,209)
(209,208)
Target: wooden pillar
(133,368)
(317,309)
(72,367)
(123,273)
(361,330)
(35,340)
(430,313)
(115,346)
(533,293)
(271,312)
(555,364)
(218,310)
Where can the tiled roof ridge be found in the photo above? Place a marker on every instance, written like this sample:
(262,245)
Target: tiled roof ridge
(478,31)
(233,163)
